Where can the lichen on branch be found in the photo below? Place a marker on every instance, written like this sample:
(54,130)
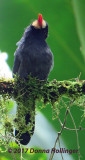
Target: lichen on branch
(21,89)
(28,91)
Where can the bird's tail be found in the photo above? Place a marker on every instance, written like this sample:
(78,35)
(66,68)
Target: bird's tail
(26,124)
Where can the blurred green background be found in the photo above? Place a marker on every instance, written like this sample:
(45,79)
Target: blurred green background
(66,19)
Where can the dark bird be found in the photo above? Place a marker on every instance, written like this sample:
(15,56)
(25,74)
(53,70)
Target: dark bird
(33,56)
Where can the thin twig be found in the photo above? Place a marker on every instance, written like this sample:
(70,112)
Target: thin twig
(16,141)
(76,133)
(70,129)
(74,127)
(61,152)
(59,133)
(20,96)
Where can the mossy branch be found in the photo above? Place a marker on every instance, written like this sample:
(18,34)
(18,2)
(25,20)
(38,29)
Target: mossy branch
(27,91)
(48,91)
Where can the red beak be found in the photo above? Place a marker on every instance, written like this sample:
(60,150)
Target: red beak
(40,20)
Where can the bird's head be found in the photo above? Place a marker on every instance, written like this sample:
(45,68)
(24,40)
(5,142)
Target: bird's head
(40,27)
(40,23)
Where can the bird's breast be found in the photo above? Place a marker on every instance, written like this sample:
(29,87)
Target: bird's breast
(37,60)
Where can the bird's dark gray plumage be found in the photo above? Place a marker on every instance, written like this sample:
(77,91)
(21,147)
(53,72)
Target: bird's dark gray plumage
(33,56)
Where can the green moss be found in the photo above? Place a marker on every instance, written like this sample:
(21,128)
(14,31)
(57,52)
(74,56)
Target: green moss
(28,92)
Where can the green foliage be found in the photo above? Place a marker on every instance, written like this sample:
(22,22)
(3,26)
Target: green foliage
(14,152)
(27,92)
(5,107)
(79,8)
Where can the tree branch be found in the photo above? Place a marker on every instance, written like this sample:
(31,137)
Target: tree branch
(24,91)
(59,134)
(49,91)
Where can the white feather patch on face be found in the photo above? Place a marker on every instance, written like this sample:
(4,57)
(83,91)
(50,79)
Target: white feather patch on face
(37,26)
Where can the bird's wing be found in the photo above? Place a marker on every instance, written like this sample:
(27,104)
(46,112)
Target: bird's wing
(16,64)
